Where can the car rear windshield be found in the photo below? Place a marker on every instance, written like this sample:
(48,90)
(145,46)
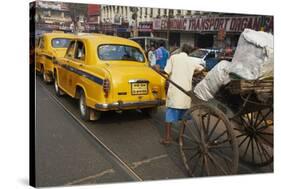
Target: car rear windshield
(120,52)
(198,53)
(60,43)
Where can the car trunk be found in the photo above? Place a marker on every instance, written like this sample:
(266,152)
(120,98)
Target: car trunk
(133,82)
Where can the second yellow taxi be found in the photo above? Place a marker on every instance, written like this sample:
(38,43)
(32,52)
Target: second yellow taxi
(48,47)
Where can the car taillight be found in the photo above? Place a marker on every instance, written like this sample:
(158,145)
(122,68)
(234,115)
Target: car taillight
(155,89)
(106,87)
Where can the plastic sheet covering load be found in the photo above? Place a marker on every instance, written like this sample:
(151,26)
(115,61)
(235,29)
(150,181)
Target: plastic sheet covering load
(217,77)
(253,58)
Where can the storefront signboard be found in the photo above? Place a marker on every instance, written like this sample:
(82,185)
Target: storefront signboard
(211,24)
(145,26)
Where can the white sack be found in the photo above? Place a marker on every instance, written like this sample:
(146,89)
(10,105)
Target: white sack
(253,58)
(217,77)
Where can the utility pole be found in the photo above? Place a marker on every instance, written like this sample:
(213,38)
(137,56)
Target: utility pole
(136,26)
(168,28)
(134,10)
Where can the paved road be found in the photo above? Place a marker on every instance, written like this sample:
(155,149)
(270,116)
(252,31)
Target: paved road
(67,155)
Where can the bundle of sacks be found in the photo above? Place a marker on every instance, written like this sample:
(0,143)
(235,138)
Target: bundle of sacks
(253,60)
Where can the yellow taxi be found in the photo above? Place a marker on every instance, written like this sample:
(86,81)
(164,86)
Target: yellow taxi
(48,47)
(108,73)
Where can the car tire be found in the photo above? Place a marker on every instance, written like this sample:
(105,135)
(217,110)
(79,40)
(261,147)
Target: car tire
(41,70)
(38,72)
(45,76)
(58,91)
(84,110)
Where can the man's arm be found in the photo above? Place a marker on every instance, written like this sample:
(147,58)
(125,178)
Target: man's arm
(198,69)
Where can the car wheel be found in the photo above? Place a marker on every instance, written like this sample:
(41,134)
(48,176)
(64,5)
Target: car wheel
(38,70)
(57,88)
(41,70)
(84,109)
(45,76)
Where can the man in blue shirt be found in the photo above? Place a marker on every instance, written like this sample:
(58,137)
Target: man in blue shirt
(162,55)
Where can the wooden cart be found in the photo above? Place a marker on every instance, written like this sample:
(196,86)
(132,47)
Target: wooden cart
(236,124)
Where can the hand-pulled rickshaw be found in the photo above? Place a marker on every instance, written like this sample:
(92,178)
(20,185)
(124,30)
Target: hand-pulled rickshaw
(237,124)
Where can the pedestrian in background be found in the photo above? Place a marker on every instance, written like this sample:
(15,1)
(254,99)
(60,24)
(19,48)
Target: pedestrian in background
(151,56)
(162,55)
(180,68)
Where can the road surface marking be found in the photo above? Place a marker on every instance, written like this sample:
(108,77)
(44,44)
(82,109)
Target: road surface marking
(139,163)
(80,181)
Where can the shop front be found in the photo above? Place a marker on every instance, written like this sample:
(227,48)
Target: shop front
(93,24)
(123,30)
(203,31)
(223,31)
(204,40)
(145,29)
(93,20)
(108,29)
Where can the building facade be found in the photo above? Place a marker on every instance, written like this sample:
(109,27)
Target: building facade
(52,16)
(136,21)
(196,28)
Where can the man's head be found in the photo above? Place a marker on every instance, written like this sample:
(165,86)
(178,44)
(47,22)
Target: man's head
(161,44)
(186,48)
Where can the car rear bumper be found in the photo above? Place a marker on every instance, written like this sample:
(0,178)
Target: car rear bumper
(129,105)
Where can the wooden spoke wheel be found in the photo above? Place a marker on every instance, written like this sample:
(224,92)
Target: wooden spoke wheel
(255,137)
(207,142)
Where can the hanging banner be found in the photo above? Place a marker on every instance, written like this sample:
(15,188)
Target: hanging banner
(94,10)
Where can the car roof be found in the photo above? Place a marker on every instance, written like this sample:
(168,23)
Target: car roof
(146,37)
(58,34)
(106,39)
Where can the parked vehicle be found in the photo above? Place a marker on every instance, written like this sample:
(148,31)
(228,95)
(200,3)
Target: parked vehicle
(227,54)
(146,42)
(48,47)
(108,73)
(202,56)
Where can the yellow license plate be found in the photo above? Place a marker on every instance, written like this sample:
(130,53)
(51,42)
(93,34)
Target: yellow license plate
(139,88)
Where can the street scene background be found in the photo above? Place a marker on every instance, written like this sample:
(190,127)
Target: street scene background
(15,104)
(198,29)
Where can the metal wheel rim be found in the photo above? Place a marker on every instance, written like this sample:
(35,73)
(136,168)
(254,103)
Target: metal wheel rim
(207,156)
